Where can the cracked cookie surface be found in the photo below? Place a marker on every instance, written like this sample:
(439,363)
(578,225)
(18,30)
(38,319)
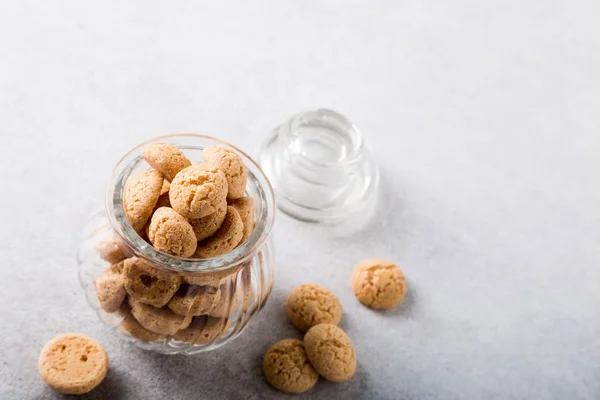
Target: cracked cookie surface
(233,167)
(378,284)
(311,304)
(287,368)
(110,288)
(170,232)
(198,190)
(148,284)
(331,352)
(158,320)
(207,226)
(227,237)
(140,197)
(245,207)
(165,158)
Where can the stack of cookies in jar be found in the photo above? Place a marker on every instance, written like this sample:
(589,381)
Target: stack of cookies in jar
(187,210)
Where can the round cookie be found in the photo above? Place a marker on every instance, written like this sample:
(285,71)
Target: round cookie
(73,363)
(207,226)
(165,158)
(311,304)
(198,190)
(110,288)
(203,330)
(233,167)
(287,368)
(171,233)
(111,251)
(140,197)
(331,352)
(378,284)
(226,238)
(245,207)
(149,284)
(194,300)
(158,320)
(134,329)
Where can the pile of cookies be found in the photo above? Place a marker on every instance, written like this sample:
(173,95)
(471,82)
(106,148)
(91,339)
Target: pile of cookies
(293,366)
(185,209)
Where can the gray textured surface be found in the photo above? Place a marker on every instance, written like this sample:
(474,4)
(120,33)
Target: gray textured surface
(484,117)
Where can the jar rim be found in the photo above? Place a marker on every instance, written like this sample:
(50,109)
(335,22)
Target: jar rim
(241,254)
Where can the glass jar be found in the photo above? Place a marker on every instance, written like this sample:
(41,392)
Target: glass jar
(219,295)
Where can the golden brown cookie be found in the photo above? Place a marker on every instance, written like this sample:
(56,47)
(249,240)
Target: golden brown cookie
(233,167)
(149,284)
(228,300)
(207,226)
(226,238)
(140,197)
(111,250)
(378,284)
(171,233)
(194,300)
(202,330)
(211,278)
(73,363)
(165,158)
(198,190)
(245,207)
(134,329)
(311,304)
(158,320)
(110,288)
(287,368)
(331,352)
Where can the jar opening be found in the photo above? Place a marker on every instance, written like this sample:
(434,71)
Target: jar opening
(258,187)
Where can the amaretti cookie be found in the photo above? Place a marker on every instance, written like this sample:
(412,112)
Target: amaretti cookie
(111,250)
(158,320)
(133,328)
(194,300)
(171,233)
(233,167)
(286,367)
(311,304)
(140,197)
(331,352)
(378,284)
(207,226)
(110,288)
(227,237)
(245,207)
(198,190)
(73,363)
(149,284)
(165,158)
(202,330)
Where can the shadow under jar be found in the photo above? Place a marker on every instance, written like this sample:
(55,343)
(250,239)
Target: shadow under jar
(210,301)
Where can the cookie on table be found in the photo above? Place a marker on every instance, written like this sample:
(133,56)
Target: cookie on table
(233,167)
(148,284)
(110,288)
(227,237)
(194,300)
(133,328)
(165,158)
(378,284)
(331,352)
(111,251)
(286,367)
(158,320)
(170,232)
(202,330)
(198,190)
(311,304)
(73,363)
(207,226)
(245,207)
(140,197)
